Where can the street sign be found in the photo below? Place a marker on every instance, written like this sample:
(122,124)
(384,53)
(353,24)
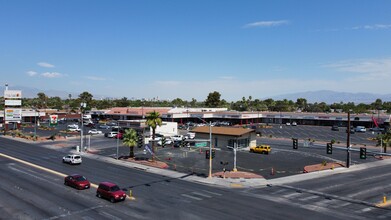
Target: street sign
(201,144)
(148,148)
(53,120)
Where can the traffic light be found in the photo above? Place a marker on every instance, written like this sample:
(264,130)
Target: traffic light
(207,154)
(164,142)
(329,148)
(363,153)
(295,144)
(184,143)
(140,141)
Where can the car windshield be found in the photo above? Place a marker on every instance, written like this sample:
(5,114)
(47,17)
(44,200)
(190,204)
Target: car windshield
(80,178)
(114,189)
(77,157)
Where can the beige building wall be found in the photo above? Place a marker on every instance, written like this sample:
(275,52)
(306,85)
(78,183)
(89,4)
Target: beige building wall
(223,140)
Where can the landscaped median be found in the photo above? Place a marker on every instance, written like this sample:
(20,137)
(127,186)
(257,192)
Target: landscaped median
(148,162)
(322,166)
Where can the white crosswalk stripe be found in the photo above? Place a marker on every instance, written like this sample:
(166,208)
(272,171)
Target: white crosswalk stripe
(202,194)
(213,193)
(308,198)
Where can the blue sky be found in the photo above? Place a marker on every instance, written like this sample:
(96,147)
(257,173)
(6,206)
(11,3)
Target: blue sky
(189,48)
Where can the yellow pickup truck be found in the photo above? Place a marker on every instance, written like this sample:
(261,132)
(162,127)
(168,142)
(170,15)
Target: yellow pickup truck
(262,149)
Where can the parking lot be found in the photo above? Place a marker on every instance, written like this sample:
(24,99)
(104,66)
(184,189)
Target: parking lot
(318,133)
(282,161)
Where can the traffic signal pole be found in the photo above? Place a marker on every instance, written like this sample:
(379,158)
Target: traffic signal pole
(348,143)
(210,150)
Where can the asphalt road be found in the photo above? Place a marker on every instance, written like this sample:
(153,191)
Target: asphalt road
(29,193)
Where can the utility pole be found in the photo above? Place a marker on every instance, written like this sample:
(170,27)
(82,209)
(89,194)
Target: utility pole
(348,143)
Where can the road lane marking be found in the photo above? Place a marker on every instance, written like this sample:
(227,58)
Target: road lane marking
(33,165)
(202,194)
(213,193)
(236,185)
(40,167)
(191,197)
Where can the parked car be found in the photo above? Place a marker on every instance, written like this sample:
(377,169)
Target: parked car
(352,130)
(110,191)
(361,129)
(72,159)
(294,123)
(263,149)
(77,181)
(91,125)
(190,135)
(177,137)
(111,134)
(288,124)
(104,127)
(119,135)
(74,129)
(73,126)
(168,141)
(94,131)
(335,128)
(111,123)
(376,129)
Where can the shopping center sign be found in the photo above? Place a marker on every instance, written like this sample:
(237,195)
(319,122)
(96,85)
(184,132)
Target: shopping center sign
(12,114)
(12,94)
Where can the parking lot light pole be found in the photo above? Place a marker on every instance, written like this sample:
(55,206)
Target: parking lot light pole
(117,138)
(348,142)
(210,150)
(35,123)
(235,149)
(82,105)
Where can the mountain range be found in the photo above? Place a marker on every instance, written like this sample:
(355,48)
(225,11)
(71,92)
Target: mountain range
(330,97)
(326,96)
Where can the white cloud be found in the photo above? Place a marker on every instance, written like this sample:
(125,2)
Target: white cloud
(367,69)
(266,24)
(31,73)
(95,78)
(44,64)
(52,75)
(373,27)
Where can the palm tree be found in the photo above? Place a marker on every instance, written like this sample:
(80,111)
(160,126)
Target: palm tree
(130,140)
(384,139)
(153,120)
